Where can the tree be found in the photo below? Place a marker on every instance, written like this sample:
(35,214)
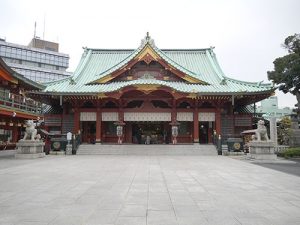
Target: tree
(287,68)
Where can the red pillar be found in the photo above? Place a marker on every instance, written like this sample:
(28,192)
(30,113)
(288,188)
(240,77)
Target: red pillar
(218,121)
(76,120)
(196,126)
(98,126)
(128,133)
(14,133)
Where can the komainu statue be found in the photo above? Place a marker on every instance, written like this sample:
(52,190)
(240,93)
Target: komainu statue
(261,132)
(31,131)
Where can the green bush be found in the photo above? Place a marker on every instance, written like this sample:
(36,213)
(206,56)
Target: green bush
(290,153)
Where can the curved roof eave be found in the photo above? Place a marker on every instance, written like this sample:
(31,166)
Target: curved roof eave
(178,86)
(20,76)
(220,71)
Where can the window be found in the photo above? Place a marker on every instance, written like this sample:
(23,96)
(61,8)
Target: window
(110,128)
(185,128)
(55,130)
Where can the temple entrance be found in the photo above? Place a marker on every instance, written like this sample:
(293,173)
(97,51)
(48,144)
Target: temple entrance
(206,131)
(88,131)
(153,132)
(203,132)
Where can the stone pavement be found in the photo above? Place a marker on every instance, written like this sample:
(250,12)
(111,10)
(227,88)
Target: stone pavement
(140,190)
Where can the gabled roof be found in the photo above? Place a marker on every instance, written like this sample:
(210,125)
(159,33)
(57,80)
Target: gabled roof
(16,78)
(96,65)
(148,48)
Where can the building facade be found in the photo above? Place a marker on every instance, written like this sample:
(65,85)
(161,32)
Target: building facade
(15,106)
(148,91)
(40,61)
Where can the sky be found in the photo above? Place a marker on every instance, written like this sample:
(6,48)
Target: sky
(247,34)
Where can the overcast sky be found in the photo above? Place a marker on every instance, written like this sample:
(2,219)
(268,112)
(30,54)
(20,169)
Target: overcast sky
(247,35)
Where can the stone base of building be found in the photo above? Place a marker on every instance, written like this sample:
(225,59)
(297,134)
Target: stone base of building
(28,149)
(228,153)
(262,150)
(30,156)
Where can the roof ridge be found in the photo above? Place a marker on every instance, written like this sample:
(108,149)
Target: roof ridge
(110,49)
(48,83)
(211,60)
(86,54)
(185,49)
(132,49)
(260,83)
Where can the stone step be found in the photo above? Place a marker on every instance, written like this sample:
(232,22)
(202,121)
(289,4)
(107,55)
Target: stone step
(98,149)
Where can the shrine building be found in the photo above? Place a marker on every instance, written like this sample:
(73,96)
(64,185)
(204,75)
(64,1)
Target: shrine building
(146,90)
(15,107)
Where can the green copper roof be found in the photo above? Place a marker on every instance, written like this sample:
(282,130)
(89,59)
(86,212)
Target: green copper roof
(198,63)
(20,77)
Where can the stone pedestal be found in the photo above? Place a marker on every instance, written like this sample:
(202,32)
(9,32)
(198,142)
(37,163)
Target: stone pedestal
(28,149)
(295,132)
(295,138)
(262,150)
(57,153)
(69,149)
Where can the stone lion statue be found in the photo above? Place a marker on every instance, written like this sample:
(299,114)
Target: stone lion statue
(261,132)
(30,131)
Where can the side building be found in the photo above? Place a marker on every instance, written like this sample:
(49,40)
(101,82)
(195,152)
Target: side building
(40,61)
(15,106)
(269,108)
(148,90)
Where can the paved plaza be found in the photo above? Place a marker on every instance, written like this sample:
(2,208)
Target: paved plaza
(149,189)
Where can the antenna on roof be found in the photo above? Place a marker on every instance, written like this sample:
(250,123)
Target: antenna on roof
(34,34)
(44,26)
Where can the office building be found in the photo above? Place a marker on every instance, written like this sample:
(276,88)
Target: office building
(40,61)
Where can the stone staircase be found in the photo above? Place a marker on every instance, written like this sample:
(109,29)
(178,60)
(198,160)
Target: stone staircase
(107,149)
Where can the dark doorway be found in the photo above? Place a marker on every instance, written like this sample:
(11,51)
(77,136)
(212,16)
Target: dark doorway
(88,129)
(203,132)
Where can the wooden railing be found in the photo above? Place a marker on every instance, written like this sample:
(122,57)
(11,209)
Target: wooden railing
(20,103)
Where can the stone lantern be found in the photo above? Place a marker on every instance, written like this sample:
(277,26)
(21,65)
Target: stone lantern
(174,130)
(120,132)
